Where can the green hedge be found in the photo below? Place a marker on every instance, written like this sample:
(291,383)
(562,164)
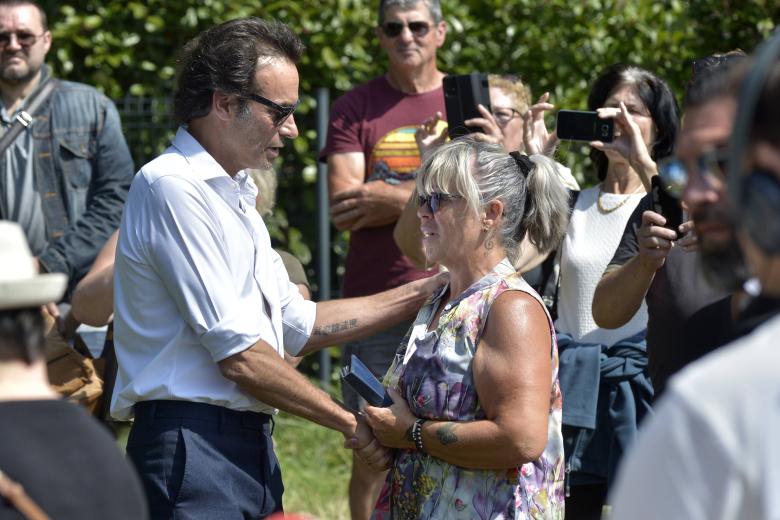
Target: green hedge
(128,47)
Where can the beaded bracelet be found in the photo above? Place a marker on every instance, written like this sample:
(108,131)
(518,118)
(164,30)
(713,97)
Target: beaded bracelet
(417,434)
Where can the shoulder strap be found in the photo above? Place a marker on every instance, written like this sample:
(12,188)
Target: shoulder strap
(25,117)
(14,493)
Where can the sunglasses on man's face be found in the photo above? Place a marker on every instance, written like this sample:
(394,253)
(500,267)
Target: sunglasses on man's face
(279,113)
(675,174)
(25,39)
(434,200)
(393,29)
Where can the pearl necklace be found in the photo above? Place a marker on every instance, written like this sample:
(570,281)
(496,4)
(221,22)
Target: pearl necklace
(606,210)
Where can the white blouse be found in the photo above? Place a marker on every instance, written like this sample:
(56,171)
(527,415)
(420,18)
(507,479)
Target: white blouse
(590,243)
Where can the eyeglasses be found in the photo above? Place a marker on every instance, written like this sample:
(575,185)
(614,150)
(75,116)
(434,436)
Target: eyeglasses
(393,29)
(279,113)
(25,39)
(434,200)
(675,174)
(504,115)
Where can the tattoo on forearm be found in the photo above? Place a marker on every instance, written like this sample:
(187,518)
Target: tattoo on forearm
(446,434)
(333,328)
(408,434)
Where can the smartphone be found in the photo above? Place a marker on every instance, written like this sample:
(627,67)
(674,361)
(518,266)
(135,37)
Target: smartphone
(462,94)
(580,125)
(666,205)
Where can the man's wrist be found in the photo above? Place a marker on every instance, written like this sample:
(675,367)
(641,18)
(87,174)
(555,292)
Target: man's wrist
(349,423)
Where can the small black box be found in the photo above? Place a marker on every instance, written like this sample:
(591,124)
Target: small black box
(359,377)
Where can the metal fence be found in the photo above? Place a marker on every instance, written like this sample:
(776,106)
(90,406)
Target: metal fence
(148,125)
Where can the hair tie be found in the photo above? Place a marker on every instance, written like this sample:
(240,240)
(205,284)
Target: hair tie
(526,165)
(523,162)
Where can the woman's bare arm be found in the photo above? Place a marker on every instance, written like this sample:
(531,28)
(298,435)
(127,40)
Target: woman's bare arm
(512,373)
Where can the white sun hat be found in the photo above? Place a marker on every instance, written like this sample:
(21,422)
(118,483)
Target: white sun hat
(20,285)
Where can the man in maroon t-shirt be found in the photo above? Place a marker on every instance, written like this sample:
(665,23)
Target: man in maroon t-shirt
(372,155)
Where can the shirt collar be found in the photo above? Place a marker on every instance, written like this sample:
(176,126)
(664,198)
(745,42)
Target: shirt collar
(204,166)
(238,190)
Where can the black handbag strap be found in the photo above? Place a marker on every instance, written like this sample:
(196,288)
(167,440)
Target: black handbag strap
(24,118)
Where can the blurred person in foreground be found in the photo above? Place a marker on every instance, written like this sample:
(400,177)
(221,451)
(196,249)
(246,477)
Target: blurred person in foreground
(711,451)
(477,407)
(603,372)
(204,309)
(689,314)
(64,460)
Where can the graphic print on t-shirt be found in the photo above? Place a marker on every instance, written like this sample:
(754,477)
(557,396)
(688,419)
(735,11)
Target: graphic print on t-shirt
(396,156)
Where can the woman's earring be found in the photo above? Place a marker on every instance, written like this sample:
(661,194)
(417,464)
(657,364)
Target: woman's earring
(488,238)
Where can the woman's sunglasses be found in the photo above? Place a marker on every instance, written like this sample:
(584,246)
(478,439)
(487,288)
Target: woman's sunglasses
(434,200)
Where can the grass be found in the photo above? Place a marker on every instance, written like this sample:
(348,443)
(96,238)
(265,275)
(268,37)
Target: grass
(315,468)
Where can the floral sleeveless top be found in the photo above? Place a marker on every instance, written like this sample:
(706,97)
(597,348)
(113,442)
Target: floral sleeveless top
(437,383)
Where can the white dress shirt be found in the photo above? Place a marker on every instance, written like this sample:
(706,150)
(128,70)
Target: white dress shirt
(196,281)
(711,451)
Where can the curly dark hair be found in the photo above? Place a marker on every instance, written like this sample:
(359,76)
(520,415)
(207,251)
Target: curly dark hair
(225,58)
(656,96)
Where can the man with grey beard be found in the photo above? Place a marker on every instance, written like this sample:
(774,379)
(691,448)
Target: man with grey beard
(64,179)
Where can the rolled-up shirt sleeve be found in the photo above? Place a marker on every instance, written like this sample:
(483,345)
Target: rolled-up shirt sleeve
(298,314)
(184,244)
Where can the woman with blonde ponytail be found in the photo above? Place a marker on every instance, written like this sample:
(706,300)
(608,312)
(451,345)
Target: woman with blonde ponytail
(476,417)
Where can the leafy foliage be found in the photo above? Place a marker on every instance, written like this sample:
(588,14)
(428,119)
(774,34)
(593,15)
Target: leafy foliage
(128,48)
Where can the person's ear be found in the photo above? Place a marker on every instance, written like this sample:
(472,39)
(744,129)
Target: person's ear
(441,33)
(223,105)
(47,41)
(493,210)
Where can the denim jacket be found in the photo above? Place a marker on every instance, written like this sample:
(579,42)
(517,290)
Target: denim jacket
(83,169)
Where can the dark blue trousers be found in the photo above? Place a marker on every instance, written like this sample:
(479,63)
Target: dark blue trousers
(201,461)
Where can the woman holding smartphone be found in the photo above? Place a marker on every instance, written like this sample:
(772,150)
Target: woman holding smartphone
(604,372)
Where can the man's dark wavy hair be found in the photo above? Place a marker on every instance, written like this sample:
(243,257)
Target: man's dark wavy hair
(656,96)
(225,58)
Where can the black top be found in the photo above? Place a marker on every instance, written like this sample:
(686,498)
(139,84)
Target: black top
(687,317)
(67,463)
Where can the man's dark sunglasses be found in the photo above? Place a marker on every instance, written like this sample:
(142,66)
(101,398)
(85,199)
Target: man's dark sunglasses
(434,200)
(279,113)
(25,39)
(674,174)
(393,29)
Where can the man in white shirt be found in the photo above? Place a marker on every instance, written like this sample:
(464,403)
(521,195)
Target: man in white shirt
(711,451)
(204,307)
